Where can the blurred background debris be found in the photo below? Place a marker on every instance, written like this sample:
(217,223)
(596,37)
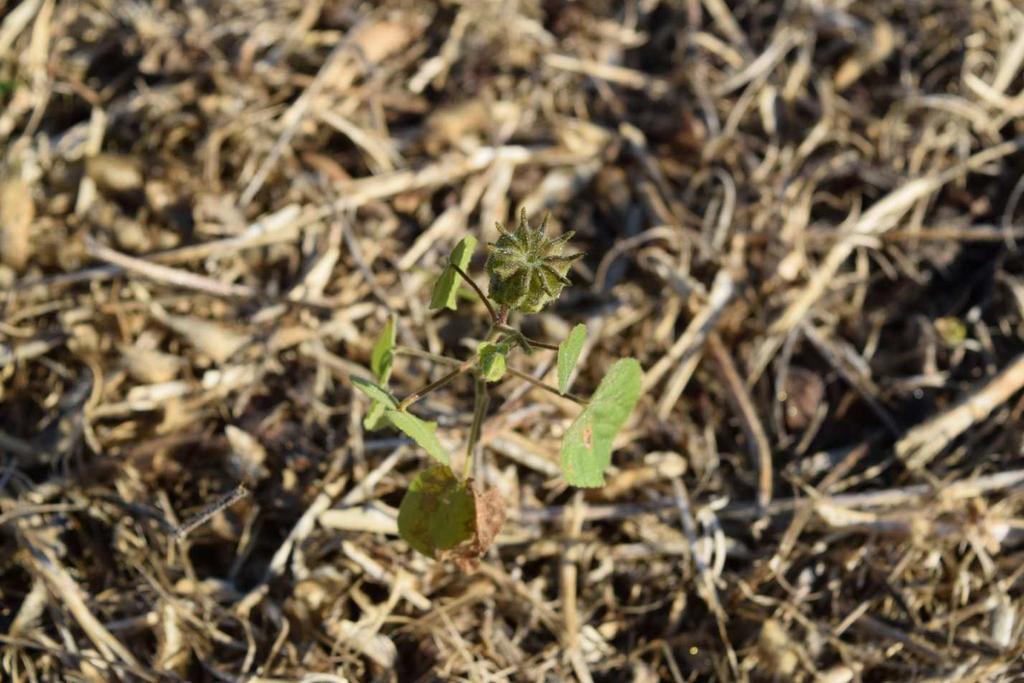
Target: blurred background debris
(802,217)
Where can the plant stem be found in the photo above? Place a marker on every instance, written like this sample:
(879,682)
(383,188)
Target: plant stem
(476,288)
(481,399)
(547,387)
(435,385)
(531,342)
(426,355)
(461,368)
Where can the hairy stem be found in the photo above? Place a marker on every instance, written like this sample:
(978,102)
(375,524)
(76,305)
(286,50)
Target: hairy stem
(481,399)
(426,355)
(531,342)
(479,292)
(463,368)
(546,387)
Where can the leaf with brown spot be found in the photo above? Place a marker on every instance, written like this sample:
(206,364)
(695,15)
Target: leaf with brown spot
(587,445)
(437,512)
(445,518)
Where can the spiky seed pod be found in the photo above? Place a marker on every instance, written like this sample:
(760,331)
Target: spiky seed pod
(528,269)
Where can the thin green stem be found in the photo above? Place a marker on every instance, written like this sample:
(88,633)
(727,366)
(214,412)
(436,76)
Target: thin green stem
(476,288)
(461,368)
(546,387)
(436,384)
(426,355)
(481,399)
(531,342)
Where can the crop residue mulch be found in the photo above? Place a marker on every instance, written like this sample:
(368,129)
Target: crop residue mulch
(803,218)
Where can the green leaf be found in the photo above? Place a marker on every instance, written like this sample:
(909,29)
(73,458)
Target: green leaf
(438,512)
(375,419)
(568,353)
(375,392)
(422,432)
(492,360)
(446,289)
(380,399)
(587,446)
(383,354)
(515,338)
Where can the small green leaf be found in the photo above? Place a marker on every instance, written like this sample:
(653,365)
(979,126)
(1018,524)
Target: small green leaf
(383,354)
(568,353)
(438,512)
(380,399)
(376,392)
(422,432)
(515,338)
(587,446)
(375,419)
(446,289)
(492,360)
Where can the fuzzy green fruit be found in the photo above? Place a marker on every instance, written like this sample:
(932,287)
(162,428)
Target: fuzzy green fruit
(527,268)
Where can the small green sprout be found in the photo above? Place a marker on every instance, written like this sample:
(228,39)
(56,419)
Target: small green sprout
(442,515)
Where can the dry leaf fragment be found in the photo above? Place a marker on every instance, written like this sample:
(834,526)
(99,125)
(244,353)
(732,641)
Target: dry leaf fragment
(802,395)
(777,650)
(173,652)
(149,366)
(364,638)
(876,50)
(114,172)
(247,456)
(216,341)
(448,125)
(490,514)
(380,40)
(837,674)
(17,211)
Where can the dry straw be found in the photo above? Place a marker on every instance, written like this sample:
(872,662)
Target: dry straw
(802,217)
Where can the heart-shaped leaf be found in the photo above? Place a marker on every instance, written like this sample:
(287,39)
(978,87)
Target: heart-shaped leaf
(448,519)
(587,445)
(446,286)
(568,353)
(437,512)
(422,432)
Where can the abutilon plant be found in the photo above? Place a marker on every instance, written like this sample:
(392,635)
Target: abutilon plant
(448,516)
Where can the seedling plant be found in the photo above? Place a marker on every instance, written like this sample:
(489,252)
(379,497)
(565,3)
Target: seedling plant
(446,515)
